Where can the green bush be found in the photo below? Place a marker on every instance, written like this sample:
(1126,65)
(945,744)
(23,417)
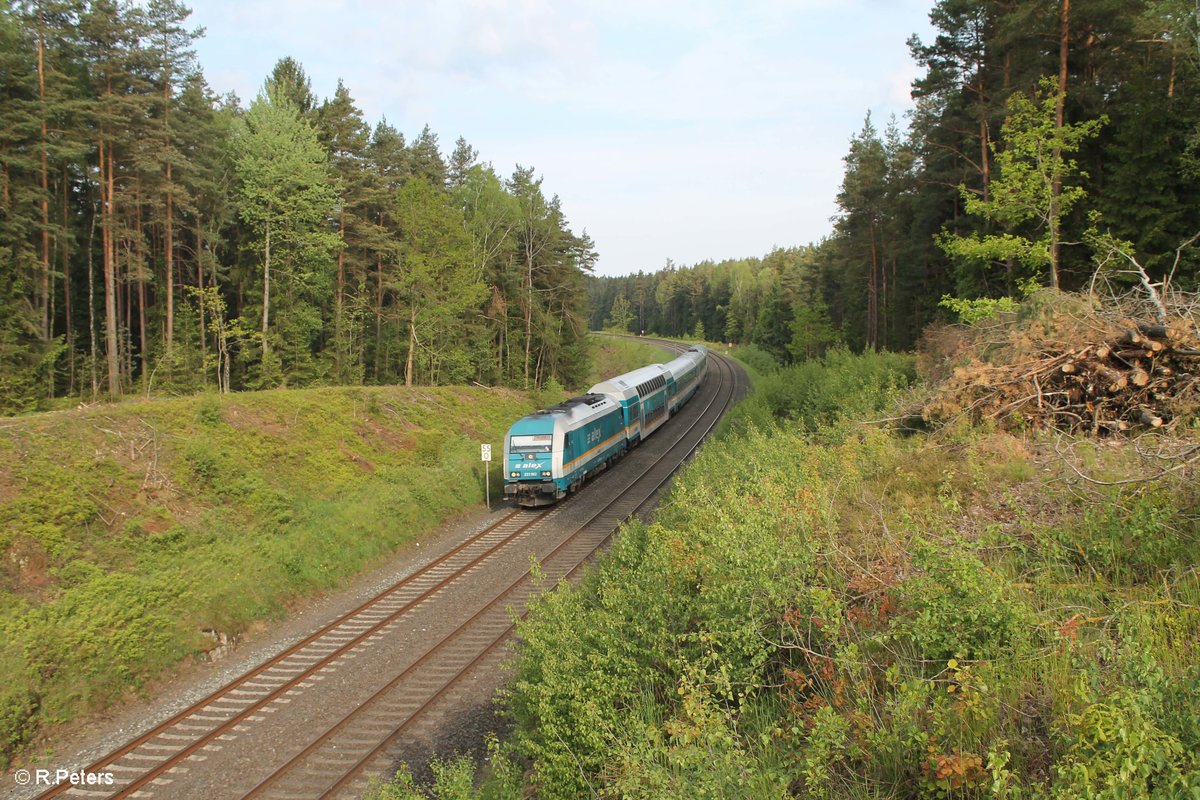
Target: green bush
(813,393)
(958,607)
(758,361)
(1129,540)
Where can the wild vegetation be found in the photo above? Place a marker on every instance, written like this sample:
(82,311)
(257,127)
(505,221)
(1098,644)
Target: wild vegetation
(1048,138)
(156,237)
(828,608)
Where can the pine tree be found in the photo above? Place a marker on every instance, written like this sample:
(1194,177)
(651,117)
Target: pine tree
(20,323)
(112,36)
(862,200)
(388,157)
(462,160)
(425,159)
(289,81)
(174,62)
(346,136)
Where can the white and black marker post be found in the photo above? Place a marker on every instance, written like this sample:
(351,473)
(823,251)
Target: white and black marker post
(485,453)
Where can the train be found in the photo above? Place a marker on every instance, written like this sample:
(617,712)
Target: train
(550,453)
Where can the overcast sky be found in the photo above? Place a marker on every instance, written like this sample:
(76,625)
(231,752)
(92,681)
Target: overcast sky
(683,130)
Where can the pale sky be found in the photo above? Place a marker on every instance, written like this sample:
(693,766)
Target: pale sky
(682,130)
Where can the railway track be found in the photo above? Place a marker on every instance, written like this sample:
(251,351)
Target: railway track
(180,757)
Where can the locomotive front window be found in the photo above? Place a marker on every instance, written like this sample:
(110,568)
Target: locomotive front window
(539,443)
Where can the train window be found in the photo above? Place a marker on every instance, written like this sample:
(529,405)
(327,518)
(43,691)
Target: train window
(539,443)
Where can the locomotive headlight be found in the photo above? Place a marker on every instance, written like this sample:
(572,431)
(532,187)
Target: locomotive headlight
(514,474)
(546,474)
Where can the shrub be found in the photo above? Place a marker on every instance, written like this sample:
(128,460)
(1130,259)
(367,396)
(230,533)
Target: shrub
(758,361)
(960,608)
(814,393)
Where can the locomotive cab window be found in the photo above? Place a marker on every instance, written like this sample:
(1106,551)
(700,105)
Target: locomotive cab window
(539,443)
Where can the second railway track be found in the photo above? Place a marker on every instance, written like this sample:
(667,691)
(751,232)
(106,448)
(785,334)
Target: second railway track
(252,738)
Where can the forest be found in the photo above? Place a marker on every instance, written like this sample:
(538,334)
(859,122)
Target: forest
(1051,144)
(157,237)
(145,245)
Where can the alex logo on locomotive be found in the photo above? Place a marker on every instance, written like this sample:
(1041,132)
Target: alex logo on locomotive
(551,452)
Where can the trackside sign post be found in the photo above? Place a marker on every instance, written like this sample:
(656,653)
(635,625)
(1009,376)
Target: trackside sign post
(485,454)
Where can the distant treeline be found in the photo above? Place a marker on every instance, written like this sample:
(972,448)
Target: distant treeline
(1000,181)
(155,235)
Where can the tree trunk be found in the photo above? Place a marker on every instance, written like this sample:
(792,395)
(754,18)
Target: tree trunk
(378,315)
(170,252)
(141,279)
(127,313)
(338,304)
(873,294)
(110,276)
(65,255)
(412,345)
(528,310)
(92,305)
(202,304)
(266,313)
(1059,119)
(985,161)
(45,176)
(170,225)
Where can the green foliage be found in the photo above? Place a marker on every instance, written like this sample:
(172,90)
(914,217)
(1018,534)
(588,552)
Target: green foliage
(128,530)
(1127,543)
(284,244)
(757,360)
(957,607)
(1120,750)
(437,284)
(812,332)
(454,779)
(774,303)
(1031,186)
(971,311)
(980,308)
(286,196)
(1136,737)
(817,392)
(620,316)
(826,610)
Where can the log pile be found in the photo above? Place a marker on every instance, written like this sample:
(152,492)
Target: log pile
(1137,376)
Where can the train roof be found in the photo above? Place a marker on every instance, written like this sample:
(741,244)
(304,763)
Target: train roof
(623,384)
(687,359)
(572,411)
(591,400)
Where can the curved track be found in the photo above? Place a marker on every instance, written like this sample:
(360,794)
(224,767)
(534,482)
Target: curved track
(182,756)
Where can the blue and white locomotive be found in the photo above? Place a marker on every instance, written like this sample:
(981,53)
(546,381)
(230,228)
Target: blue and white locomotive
(552,451)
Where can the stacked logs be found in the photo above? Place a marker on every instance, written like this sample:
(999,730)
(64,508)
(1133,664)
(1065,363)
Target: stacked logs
(1140,378)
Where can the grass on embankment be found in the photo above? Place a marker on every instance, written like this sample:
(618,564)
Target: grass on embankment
(823,609)
(128,529)
(615,355)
